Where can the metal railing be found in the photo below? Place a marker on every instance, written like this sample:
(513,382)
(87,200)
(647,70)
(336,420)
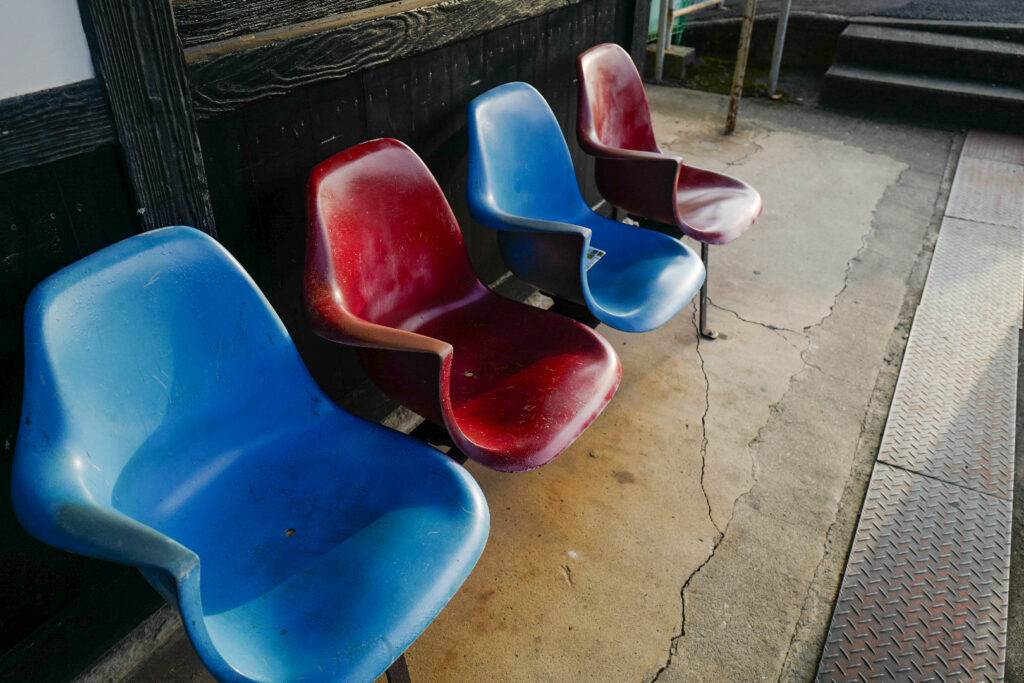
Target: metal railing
(667,18)
(669,14)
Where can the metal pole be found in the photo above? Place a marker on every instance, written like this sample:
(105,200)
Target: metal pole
(704,331)
(780,40)
(741,66)
(664,35)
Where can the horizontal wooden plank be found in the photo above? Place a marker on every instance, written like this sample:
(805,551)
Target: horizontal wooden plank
(53,124)
(683,11)
(205,21)
(227,75)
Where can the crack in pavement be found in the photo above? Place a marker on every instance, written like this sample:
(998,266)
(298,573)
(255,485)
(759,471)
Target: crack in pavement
(720,533)
(758,147)
(767,326)
(704,423)
(822,370)
(679,132)
(773,409)
(839,534)
(674,644)
(858,257)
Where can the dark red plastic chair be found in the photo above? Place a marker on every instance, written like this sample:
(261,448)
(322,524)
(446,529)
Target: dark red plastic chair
(386,270)
(633,174)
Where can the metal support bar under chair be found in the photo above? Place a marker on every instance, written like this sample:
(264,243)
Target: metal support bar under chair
(398,672)
(703,314)
(780,41)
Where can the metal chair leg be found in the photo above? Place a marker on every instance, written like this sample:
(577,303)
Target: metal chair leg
(704,331)
(398,672)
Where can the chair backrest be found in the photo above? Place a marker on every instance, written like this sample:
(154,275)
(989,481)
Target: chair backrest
(613,108)
(157,346)
(518,159)
(383,230)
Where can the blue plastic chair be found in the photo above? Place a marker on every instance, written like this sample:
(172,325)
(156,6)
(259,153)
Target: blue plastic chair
(522,183)
(169,423)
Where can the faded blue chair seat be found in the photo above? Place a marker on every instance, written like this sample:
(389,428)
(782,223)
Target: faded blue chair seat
(522,183)
(169,423)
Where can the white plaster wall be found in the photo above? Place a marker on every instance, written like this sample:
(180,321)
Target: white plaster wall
(42,45)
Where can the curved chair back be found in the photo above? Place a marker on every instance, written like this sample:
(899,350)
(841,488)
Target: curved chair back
(169,423)
(613,108)
(367,203)
(127,350)
(518,159)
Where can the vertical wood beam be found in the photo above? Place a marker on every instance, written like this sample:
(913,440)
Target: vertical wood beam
(138,56)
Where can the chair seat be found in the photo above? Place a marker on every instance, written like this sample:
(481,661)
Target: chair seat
(325,550)
(643,279)
(714,207)
(525,383)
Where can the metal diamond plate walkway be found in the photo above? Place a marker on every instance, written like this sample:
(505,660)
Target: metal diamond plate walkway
(925,590)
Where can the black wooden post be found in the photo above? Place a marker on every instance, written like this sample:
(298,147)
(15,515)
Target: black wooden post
(138,57)
(638,45)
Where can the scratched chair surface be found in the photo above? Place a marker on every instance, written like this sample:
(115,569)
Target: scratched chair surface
(170,424)
(522,183)
(386,270)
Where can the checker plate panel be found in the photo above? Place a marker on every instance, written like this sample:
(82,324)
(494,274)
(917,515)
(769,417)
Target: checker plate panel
(925,591)
(994,146)
(954,409)
(924,595)
(987,191)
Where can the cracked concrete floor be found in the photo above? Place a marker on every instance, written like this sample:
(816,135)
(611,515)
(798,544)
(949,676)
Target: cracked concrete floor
(690,533)
(697,531)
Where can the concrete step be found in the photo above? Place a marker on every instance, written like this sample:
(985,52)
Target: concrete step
(937,54)
(976,29)
(677,59)
(921,96)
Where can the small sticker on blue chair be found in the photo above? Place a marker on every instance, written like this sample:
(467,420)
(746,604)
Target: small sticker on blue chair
(593,256)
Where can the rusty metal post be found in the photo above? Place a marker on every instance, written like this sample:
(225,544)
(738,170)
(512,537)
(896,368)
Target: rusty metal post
(741,66)
(703,308)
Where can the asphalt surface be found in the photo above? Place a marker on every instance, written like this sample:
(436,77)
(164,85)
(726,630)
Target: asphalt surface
(996,11)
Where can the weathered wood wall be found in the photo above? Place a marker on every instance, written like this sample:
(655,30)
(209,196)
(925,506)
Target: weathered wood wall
(51,214)
(274,93)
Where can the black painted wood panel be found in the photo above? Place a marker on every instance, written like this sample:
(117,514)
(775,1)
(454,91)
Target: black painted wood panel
(139,59)
(468,72)
(583,38)
(637,38)
(53,124)
(50,215)
(430,92)
(533,43)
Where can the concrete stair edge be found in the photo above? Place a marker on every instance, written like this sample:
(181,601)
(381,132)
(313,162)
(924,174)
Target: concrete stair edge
(976,29)
(923,96)
(938,54)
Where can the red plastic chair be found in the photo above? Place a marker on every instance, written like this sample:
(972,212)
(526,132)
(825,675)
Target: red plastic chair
(633,174)
(386,270)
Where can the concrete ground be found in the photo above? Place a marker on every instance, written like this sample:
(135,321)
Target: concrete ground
(698,530)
